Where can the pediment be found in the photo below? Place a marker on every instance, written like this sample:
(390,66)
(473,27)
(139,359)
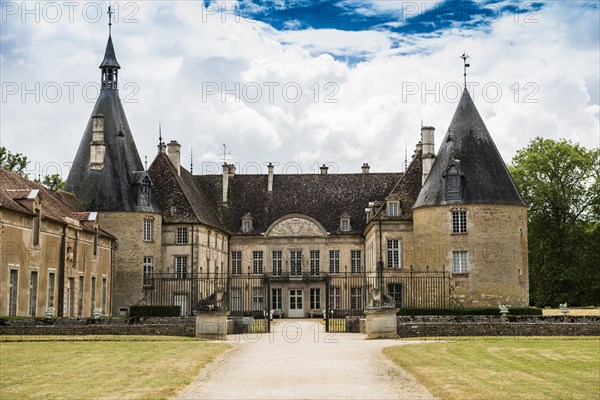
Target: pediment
(296,226)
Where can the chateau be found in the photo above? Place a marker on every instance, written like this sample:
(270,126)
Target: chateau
(451,230)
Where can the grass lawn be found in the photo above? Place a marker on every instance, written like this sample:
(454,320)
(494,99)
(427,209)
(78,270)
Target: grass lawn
(505,368)
(128,367)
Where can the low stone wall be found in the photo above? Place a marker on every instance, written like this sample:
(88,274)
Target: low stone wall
(481,325)
(172,326)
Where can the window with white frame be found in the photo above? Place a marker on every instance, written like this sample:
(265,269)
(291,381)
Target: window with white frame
(459,220)
(236,262)
(182,235)
(147,230)
(93,294)
(345,224)
(393,253)
(277,257)
(393,207)
(460,262)
(236,299)
(356,298)
(104,289)
(257,298)
(148,271)
(315,298)
(181,267)
(356,261)
(334,261)
(276,299)
(335,297)
(80,296)
(295,263)
(257,262)
(315,262)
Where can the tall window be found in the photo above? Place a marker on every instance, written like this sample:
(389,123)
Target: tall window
(334,261)
(70,296)
(13,287)
(295,263)
(356,298)
(393,253)
(147,230)
(459,221)
(236,299)
(36,228)
(51,283)
(315,298)
(257,262)
(80,296)
(277,255)
(356,261)
(93,294)
(276,299)
(393,208)
(460,262)
(257,298)
(335,297)
(95,249)
(33,288)
(181,267)
(182,235)
(148,271)
(315,262)
(236,262)
(104,288)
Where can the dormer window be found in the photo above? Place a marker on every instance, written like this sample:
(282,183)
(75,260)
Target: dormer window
(453,182)
(393,208)
(143,188)
(345,224)
(247,225)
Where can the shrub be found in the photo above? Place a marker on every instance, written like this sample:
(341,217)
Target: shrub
(154,311)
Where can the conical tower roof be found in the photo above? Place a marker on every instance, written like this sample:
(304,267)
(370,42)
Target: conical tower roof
(469,146)
(110,59)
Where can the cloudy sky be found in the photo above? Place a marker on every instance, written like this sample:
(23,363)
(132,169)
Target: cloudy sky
(299,83)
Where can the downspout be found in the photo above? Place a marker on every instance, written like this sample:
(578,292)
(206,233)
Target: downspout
(380,262)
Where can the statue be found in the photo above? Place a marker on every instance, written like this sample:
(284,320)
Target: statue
(379,299)
(215,301)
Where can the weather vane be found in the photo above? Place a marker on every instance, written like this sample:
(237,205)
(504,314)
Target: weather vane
(110,13)
(467,65)
(225,153)
(159,134)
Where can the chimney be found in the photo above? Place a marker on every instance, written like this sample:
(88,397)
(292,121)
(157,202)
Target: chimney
(427,137)
(270,178)
(97,147)
(174,150)
(225,181)
(324,169)
(365,168)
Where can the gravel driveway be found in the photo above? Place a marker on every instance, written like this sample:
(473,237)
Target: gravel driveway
(299,360)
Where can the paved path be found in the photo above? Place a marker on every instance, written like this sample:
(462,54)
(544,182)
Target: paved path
(299,360)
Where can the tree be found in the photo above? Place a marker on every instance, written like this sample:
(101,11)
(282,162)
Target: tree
(53,182)
(16,162)
(560,181)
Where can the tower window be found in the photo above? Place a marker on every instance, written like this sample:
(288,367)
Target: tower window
(460,262)
(459,220)
(453,182)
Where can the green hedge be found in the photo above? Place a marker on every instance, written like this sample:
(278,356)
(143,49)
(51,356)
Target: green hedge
(154,311)
(469,311)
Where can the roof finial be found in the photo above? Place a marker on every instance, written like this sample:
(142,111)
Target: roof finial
(145,163)
(159,135)
(406,153)
(464,57)
(191,160)
(110,13)
(225,153)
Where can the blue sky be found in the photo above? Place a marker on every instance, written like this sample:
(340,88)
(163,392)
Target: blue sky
(298,83)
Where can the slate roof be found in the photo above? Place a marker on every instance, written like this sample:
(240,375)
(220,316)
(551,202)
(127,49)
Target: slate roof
(323,197)
(108,189)
(486,178)
(180,198)
(14,187)
(110,58)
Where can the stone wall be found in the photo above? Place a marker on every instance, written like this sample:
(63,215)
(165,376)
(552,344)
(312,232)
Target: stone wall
(434,326)
(102,326)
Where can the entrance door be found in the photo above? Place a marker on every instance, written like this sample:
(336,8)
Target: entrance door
(296,303)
